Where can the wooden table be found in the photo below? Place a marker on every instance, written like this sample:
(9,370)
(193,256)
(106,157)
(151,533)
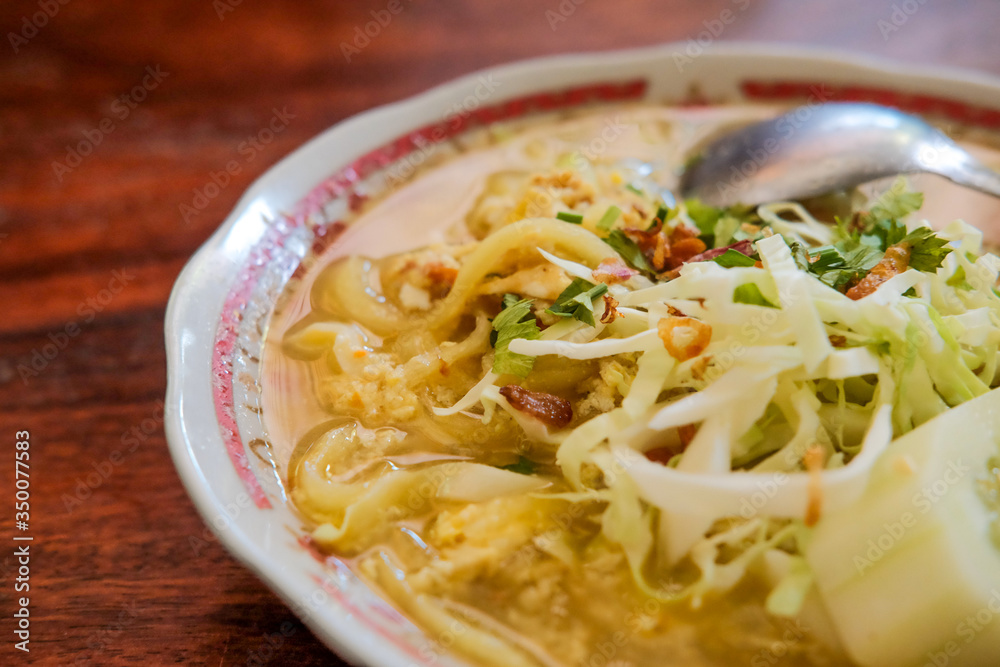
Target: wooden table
(159,96)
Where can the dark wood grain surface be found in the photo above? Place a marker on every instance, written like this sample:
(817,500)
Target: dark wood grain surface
(122,570)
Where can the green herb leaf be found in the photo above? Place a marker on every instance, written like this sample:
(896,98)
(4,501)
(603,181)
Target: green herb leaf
(628,249)
(896,202)
(608,219)
(514,321)
(927,250)
(863,257)
(732,258)
(703,215)
(721,227)
(507,301)
(524,466)
(565,216)
(632,188)
(883,234)
(750,294)
(848,261)
(577,301)
(880,226)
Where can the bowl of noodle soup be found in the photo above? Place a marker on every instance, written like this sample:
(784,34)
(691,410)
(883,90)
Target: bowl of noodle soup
(293,385)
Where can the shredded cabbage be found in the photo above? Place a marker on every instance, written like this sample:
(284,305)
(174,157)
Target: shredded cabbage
(807,371)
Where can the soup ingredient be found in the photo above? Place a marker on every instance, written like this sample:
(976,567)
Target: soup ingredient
(546,408)
(639,404)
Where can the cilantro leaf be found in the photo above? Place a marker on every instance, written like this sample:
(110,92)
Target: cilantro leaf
(896,202)
(732,258)
(884,233)
(880,225)
(750,294)
(865,239)
(852,258)
(514,321)
(577,301)
(523,466)
(628,249)
(509,300)
(862,258)
(849,230)
(927,250)
(843,263)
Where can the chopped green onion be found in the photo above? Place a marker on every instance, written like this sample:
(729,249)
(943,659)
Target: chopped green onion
(662,213)
(609,218)
(824,258)
(566,216)
(660,217)
(632,188)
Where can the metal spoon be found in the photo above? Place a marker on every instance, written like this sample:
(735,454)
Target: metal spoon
(815,150)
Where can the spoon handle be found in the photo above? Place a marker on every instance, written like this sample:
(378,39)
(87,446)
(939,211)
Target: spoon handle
(978,176)
(948,159)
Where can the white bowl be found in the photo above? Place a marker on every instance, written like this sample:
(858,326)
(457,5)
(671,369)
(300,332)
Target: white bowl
(222,302)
